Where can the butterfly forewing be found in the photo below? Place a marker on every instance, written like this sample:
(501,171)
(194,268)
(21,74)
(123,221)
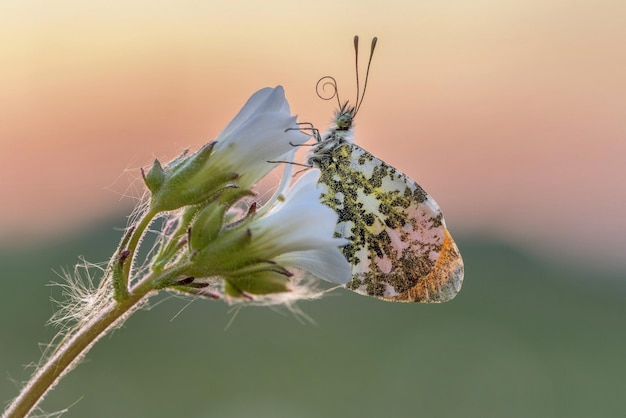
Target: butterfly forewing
(399,247)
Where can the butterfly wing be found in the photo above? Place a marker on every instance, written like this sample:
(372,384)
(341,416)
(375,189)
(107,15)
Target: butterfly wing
(400,248)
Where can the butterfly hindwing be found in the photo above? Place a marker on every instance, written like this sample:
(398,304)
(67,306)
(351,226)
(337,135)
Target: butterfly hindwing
(399,247)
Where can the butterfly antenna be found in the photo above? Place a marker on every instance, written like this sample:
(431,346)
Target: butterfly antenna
(356,69)
(367,73)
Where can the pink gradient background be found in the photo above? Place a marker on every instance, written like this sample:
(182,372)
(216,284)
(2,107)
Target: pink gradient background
(511,114)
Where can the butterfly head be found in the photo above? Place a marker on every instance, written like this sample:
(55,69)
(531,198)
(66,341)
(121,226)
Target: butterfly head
(344,117)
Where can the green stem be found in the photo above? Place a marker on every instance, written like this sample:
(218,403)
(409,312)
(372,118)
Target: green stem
(170,248)
(69,354)
(120,282)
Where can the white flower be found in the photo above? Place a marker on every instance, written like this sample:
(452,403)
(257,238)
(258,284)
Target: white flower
(262,131)
(257,255)
(297,231)
(255,252)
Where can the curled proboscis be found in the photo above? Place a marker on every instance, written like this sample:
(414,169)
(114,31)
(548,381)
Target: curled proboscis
(321,86)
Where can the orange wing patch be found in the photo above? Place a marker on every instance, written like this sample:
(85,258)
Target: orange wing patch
(444,280)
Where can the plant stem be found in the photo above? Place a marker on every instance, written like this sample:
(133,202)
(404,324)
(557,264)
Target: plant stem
(69,354)
(120,284)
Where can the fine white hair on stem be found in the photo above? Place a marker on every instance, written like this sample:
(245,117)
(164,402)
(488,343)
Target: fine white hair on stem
(80,293)
(84,291)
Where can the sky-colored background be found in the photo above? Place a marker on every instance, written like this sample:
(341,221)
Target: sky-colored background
(512,114)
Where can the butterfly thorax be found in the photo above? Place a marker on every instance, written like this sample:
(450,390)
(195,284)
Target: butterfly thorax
(335,137)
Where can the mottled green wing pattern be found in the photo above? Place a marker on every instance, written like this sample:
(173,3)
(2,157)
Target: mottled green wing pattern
(400,248)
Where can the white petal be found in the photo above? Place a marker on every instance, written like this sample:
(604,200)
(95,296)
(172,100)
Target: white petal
(327,264)
(266,99)
(263,137)
(304,189)
(301,225)
(269,134)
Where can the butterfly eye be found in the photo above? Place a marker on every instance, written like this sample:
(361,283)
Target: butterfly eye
(344,122)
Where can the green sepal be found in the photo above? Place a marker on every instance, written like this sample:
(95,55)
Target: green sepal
(188,165)
(232,195)
(261,278)
(180,191)
(207,224)
(176,241)
(260,283)
(259,267)
(223,256)
(231,290)
(155,177)
(186,181)
(210,219)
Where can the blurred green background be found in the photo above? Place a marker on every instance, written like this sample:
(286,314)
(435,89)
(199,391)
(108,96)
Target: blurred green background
(524,338)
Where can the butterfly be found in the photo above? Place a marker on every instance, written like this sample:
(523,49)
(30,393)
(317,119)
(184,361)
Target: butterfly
(399,246)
